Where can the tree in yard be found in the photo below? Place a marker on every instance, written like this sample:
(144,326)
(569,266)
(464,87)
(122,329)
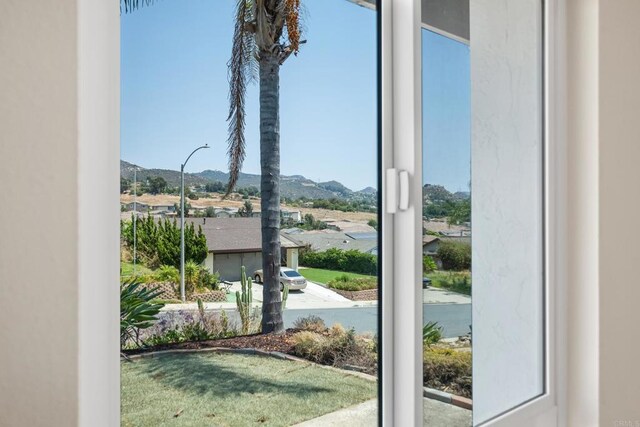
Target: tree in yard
(246,211)
(125,184)
(210,212)
(156,185)
(266,33)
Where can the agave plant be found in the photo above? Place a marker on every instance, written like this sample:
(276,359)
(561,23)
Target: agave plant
(431,333)
(137,310)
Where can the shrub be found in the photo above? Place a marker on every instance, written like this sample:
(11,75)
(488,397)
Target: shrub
(346,283)
(428,264)
(198,279)
(309,345)
(446,368)
(158,242)
(336,347)
(457,282)
(178,327)
(138,310)
(167,273)
(431,333)
(310,323)
(455,255)
(337,259)
(191,276)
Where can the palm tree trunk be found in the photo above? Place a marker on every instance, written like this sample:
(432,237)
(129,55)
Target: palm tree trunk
(270,191)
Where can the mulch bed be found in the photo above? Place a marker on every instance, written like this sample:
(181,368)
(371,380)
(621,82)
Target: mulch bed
(268,342)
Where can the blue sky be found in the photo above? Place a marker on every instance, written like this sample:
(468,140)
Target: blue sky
(446,112)
(174,94)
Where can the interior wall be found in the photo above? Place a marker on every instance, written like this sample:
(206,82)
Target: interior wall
(38,230)
(619,106)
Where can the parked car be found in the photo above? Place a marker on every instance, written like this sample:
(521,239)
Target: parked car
(288,276)
(426,282)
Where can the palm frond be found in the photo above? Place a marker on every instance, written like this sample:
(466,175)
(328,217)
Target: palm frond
(128,6)
(242,70)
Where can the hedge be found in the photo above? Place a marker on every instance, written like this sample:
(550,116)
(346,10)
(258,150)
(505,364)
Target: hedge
(352,261)
(455,256)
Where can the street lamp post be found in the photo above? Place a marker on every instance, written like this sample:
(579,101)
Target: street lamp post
(182,290)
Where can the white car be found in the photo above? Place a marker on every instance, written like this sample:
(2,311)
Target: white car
(288,276)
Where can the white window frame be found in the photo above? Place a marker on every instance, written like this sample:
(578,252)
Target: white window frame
(98,168)
(407,154)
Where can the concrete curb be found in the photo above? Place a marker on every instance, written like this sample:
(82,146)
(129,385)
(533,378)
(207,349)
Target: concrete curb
(451,399)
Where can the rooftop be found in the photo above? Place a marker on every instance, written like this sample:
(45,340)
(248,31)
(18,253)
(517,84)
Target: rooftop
(233,235)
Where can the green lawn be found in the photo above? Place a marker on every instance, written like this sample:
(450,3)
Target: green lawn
(451,280)
(126,269)
(232,390)
(319,275)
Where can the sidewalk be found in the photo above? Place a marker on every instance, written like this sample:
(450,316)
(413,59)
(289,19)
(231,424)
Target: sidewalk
(436,414)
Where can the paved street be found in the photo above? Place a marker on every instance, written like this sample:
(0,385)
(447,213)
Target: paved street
(452,311)
(454,318)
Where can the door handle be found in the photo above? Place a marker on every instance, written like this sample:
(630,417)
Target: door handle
(397,190)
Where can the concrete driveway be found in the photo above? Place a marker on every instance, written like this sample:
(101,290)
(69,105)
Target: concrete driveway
(314,296)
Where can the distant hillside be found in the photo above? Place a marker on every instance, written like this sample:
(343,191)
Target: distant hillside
(294,187)
(437,193)
(172,177)
(369,190)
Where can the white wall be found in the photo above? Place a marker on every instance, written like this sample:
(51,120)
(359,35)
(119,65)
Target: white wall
(39,247)
(619,183)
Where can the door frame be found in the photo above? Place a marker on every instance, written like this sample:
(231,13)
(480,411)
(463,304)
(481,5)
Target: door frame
(98,56)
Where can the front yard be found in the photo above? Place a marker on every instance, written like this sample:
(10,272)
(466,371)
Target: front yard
(456,281)
(319,275)
(198,389)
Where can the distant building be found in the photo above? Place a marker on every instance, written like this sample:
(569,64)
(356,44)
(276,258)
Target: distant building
(348,226)
(139,207)
(291,215)
(321,240)
(430,244)
(237,242)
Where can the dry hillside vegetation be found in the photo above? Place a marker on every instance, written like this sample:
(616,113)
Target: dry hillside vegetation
(235,201)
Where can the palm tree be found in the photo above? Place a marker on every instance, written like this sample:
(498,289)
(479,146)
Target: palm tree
(266,33)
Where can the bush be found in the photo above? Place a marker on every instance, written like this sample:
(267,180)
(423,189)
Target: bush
(158,242)
(310,323)
(446,368)
(138,310)
(336,347)
(337,259)
(428,264)
(197,278)
(456,282)
(455,255)
(431,333)
(184,327)
(346,283)
(167,273)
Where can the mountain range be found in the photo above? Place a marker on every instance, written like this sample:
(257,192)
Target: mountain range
(294,186)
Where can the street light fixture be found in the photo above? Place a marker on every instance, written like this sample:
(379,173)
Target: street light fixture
(183,296)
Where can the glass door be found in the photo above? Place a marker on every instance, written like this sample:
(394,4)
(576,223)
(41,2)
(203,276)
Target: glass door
(481,186)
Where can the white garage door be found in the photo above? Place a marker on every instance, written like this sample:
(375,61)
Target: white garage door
(229,265)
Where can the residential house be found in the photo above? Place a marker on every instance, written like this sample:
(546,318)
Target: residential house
(237,242)
(321,240)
